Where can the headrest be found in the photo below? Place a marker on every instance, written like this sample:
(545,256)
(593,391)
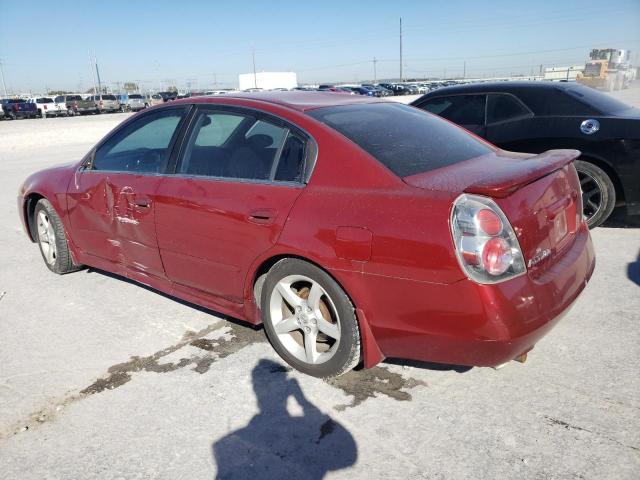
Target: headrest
(260,141)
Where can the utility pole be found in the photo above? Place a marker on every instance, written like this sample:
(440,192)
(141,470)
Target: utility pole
(374,70)
(401,49)
(464,70)
(93,75)
(255,78)
(540,70)
(97,73)
(4,86)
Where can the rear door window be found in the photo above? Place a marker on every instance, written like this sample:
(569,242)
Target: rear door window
(242,146)
(502,107)
(405,139)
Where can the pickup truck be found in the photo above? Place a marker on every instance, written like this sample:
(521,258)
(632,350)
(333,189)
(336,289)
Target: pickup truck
(17,108)
(46,107)
(75,104)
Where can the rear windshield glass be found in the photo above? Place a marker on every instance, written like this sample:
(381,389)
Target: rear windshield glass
(44,100)
(601,101)
(407,140)
(74,97)
(108,97)
(135,95)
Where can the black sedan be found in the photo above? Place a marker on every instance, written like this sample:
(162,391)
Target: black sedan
(537,116)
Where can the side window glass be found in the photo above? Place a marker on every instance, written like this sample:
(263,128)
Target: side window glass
(291,163)
(504,107)
(142,145)
(437,105)
(460,109)
(233,145)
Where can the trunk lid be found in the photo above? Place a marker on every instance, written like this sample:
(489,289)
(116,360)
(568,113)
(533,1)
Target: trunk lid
(539,194)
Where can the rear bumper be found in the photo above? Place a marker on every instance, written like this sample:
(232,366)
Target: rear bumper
(466,323)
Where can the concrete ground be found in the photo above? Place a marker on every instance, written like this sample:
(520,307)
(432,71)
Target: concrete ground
(102,378)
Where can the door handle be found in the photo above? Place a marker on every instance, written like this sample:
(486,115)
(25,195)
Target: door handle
(263,217)
(142,202)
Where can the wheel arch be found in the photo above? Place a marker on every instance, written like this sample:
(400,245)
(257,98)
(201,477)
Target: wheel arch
(370,353)
(608,169)
(29,209)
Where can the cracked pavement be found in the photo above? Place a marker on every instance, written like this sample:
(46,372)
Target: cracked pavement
(103,378)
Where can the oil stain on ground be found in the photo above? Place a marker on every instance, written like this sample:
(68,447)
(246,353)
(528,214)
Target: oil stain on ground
(236,339)
(365,384)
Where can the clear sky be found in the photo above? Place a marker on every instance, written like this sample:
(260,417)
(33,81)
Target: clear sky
(44,44)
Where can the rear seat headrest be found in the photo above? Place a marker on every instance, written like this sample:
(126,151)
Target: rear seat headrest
(259,141)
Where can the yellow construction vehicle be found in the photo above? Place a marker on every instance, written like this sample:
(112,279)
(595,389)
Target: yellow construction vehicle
(607,69)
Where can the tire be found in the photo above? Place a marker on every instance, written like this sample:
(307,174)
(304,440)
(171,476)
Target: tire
(598,193)
(47,223)
(326,323)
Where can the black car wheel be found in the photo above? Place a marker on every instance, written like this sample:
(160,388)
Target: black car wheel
(598,193)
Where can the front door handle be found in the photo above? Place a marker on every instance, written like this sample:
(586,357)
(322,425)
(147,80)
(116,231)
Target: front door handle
(263,217)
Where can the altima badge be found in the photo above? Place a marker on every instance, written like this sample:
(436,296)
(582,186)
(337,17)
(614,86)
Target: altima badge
(590,126)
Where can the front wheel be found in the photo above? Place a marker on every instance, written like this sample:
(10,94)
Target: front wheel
(598,193)
(309,319)
(52,239)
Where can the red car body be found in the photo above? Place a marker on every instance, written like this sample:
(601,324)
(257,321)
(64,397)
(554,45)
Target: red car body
(386,240)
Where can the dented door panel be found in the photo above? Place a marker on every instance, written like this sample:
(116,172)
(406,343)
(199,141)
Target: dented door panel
(112,215)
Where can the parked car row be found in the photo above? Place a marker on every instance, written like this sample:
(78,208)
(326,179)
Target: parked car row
(75,104)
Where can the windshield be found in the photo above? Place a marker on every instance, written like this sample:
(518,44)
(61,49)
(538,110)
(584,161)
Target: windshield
(407,140)
(108,97)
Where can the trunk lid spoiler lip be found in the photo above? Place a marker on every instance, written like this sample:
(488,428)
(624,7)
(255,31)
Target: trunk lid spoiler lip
(522,172)
(496,175)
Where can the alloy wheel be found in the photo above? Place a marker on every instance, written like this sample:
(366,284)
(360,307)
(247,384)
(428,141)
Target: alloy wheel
(591,194)
(305,319)
(47,237)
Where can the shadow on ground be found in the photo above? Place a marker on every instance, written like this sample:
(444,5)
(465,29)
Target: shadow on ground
(276,444)
(633,271)
(620,219)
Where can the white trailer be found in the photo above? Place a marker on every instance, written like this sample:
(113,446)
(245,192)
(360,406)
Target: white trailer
(267,80)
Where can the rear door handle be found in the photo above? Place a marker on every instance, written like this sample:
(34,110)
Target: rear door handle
(263,217)
(142,202)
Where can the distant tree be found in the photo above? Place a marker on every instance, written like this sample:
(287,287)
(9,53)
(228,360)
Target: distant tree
(130,87)
(58,92)
(172,88)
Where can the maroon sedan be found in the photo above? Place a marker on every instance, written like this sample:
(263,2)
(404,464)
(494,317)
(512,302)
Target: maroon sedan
(354,229)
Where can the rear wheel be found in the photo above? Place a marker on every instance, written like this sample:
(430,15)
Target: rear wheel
(309,319)
(598,193)
(52,239)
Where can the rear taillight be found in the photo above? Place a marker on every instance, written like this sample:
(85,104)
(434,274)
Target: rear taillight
(486,245)
(101,103)
(45,107)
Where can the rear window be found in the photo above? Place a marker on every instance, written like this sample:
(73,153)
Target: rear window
(603,102)
(406,140)
(44,100)
(74,97)
(135,96)
(108,97)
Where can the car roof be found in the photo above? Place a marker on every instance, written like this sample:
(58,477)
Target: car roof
(509,86)
(296,100)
